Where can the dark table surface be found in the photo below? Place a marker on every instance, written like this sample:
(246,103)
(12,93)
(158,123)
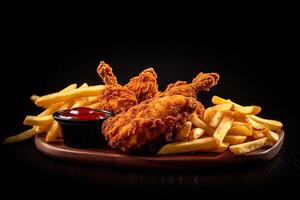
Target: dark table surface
(23,163)
(249,75)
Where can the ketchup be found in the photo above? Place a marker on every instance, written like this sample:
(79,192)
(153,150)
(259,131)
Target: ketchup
(83,113)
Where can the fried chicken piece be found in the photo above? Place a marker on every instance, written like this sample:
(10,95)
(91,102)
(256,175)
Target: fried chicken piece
(114,97)
(203,81)
(144,85)
(153,121)
(200,110)
(148,123)
(106,73)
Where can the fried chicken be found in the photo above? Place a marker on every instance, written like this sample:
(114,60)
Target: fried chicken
(148,123)
(114,97)
(117,98)
(200,110)
(153,121)
(144,85)
(203,81)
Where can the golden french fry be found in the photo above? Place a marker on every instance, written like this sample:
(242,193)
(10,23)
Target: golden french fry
(218,100)
(239,128)
(196,133)
(34,97)
(188,146)
(254,124)
(234,139)
(247,110)
(51,109)
(84,85)
(273,124)
(273,137)
(242,109)
(41,129)
(81,102)
(66,96)
(239,123)
(66,89)
(93,99)
(220,148)
(223,128)
(55,107)
(210,112)
(94,105)
(200,124)
(240,117)
(248,146)
(38,120)
(258,134)
(53,132)
(69,88)
(183,133)
(216,119)
(20,137)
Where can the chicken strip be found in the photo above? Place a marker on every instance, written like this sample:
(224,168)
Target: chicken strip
(148,123)
(114,97)
(144,85)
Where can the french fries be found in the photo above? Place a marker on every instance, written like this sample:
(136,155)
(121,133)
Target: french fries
(53,132)
(235,139)
(230,125)
(272,137)
(273,124)
(34,98)
(20,137)
(210,112)
(195,133)
(248,146)
(222,129)
(38,120)
(220,148)
(200,124)
(69,97)
(66,96)
(184,132)
(216,119)
(240,128)
(189,146)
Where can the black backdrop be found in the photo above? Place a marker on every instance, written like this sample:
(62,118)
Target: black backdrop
(256,67)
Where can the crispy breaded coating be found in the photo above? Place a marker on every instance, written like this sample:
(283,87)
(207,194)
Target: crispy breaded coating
(114,97)
(148,122)
(144,86)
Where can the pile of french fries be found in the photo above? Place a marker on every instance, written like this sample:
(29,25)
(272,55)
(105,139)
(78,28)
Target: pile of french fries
(225,125)
(69,97)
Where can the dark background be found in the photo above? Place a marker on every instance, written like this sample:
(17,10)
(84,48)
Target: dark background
(256,64)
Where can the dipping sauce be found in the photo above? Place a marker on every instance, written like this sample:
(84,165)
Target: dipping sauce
(81,127)
(84,113)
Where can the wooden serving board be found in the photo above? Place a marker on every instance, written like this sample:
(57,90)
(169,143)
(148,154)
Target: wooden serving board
(106,156)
